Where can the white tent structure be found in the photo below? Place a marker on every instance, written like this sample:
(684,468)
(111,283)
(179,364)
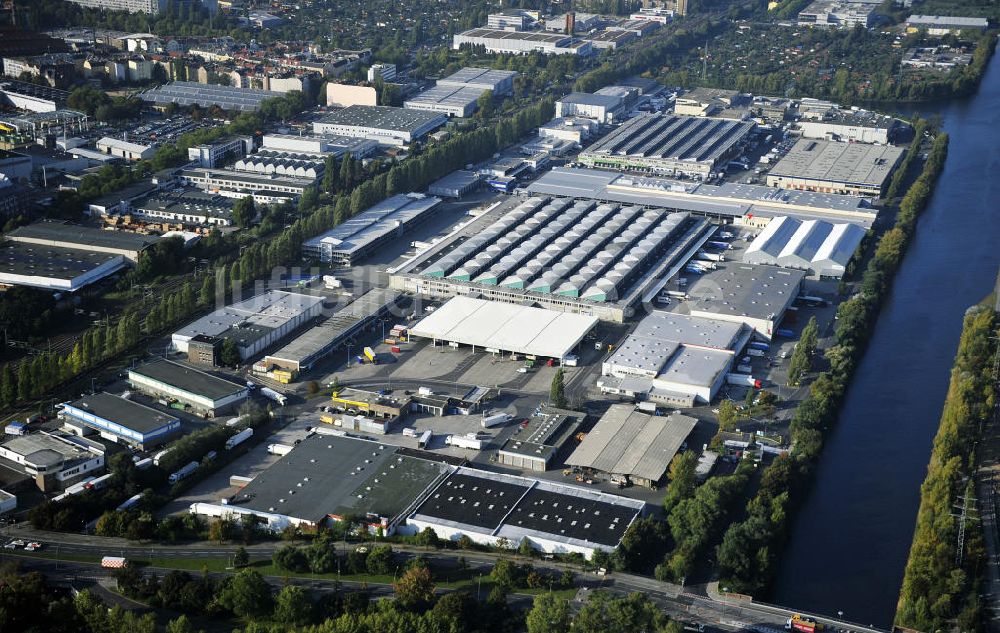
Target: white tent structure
(503,327)
(821,248)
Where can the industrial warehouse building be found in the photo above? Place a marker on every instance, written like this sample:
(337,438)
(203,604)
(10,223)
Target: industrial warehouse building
(522,42)
(185,206)
(387,125)
(457,101)
(54,460)
(357,237)
(500,82)
(283,163)
(554,518)
(456,184)
(670,144)
(565,255)
(859,126)
(820,248)
(254,324)
(673,359)
(504,327)
(601,108)
(125,149)
(535,445)
(335,146)
(846,168)
(629,443)
(757,296)
(944,24)
(265,188)
(188,93)
(54,268)
(202,392)
(119,420)
(572,129)
(728,201)
(326,478)
(65,235)
(322,339)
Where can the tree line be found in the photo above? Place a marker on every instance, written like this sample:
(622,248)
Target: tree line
(749,551)
(938,592)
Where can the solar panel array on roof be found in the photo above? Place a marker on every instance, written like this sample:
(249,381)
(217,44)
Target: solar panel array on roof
(676,137)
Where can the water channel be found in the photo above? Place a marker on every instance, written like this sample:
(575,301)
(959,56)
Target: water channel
(852,535)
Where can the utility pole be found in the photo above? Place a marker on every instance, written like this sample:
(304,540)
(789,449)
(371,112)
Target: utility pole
(963,518)
(704,62)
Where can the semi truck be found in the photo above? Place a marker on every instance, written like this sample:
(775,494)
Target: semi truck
(238,439)
(271,394)
(760,345)
(744,380)
(464,441)
(279,449)
(237,420)
(755,352)
(785,333)
(705,256)
(183,472)
(425,439)
(159,456)
(489,421)
(130,502)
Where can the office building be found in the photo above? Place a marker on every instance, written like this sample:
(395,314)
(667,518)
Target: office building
(173,382)
(668,144)
(837,14)
(149,7)
(509,20)
(118,419)
(265,188)
(55,461)
(843,168)
(384,72)
(191,207)
(572,129)
(215,154)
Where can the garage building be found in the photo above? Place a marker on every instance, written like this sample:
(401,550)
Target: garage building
(120,420)
(503,327)
(203,392)
(629,443)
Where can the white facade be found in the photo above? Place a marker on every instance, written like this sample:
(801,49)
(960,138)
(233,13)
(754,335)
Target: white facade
(518,42)
(572,129)
(8,502)
(151,7)
(385,72)
(211,154)
(198,401)
(125,149)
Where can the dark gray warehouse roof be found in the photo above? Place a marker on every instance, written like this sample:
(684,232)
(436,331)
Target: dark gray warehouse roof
(129,414)
(188,379)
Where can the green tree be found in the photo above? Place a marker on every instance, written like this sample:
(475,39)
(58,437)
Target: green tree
(206,295)
(682,479)
(379,561)
(246,594)
(727,415)
(241,558)
(549,614)
(8,386)
(180,625)
(293,606)
(557,392)
(229,354)
(244,211)
(415,588)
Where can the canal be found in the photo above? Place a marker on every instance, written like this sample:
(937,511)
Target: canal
(851,537)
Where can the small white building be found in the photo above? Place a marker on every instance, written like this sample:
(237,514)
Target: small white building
(125,149)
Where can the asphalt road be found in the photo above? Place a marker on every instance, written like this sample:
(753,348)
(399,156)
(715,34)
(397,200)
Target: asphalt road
(724,611)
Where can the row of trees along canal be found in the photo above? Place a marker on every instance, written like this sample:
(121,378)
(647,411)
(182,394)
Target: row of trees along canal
(750,548)
(143,320)
(941,589)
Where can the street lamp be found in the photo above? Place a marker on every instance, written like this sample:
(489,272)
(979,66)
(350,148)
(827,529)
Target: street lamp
(725,603)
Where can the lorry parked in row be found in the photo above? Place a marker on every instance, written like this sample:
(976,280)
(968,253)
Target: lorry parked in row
(489,421)
(743,380)
(238,439)
(183,472)
(271,394)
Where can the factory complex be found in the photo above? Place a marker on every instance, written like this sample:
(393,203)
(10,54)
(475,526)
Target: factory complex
(570,256)
(328,477)
(729,201)
(361,235)
(55,461)
(118,419)
(188,93)
(667,144)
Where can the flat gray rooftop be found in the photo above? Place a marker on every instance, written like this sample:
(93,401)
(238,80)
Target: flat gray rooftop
(383,219)
(451,96)
(247,177)
(81,236)
(124,412)
(189,93)
(53,262)
(847,163)
(629,442)
(544,434)
(586,98)
(188,379)
(483,77)
(338,476)
(735,289)
(382,117)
